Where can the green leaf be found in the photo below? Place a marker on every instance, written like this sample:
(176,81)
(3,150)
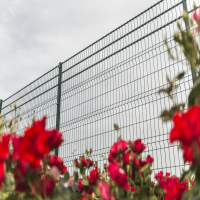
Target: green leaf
(145,167)
(138,179)
(12,197)
(143,194)
(146,174)
(122,193)
(187,174)
(76,176)
(96,190)
(180,76)
(72,196)
(67,196)
(187,195)
(70,190)
(153,198)
(149,183)
(66,175)
(116,127)
(131,181)
(158,190)
(82,171)
(194,97)
(85,182)
(166,116)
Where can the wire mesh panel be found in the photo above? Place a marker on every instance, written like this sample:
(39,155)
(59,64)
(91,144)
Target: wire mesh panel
(115,80)
(37,99)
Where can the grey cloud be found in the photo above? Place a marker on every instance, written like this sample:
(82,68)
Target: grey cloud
(36,35)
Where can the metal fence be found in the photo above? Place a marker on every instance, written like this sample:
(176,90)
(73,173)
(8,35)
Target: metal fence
(114,80)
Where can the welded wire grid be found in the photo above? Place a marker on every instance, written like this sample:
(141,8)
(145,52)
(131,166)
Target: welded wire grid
(114,80)
(37,99)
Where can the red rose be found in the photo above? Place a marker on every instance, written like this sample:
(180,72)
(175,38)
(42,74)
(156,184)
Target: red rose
(20,173)
(171,186)
(76,161)
(58,162)
(159,175)
(89,190)
(31,149)
(42,145)
(64,169)
(127,156)
(192,182)
(186,126)
(142,163)
(133,189)
(93,176)
(87,163)
(110,158)
(196,15)
(21,187)
(104,189)
(120,145)
(4,147)
(40,140)
(36,138)
(39,125)
(118,175)
(16,141)
(54,138)
(80,185)
(2,173)
(47,186)
(183,183)
(138,146)
(149,159)
(188,153)
(167,175)
(4,153)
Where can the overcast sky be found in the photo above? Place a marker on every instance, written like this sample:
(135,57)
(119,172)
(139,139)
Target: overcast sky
(35,35)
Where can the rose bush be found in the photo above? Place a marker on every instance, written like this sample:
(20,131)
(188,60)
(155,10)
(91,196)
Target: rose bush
(27,164)
(27,158)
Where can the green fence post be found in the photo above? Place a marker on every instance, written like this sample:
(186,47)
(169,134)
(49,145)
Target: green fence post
(186,9)
(58,101)
(1,102)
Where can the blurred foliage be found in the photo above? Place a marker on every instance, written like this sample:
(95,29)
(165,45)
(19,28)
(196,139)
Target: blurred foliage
(187,42)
